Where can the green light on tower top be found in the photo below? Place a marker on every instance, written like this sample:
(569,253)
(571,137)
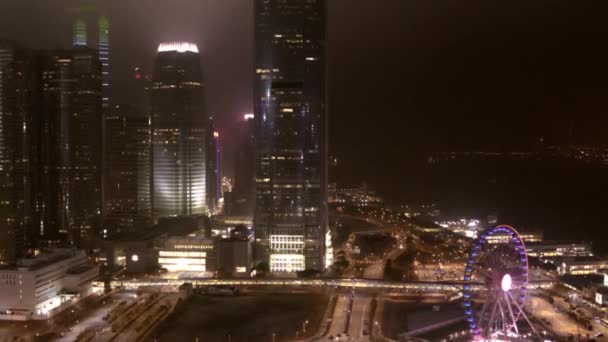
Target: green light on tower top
(80,33)
(104,28)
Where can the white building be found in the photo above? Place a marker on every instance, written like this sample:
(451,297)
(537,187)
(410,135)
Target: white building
(564,250)
(193,253)
(41,286)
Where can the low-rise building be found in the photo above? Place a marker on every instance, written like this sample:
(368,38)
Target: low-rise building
(235,257)
(559,250)
(39,287)
(192,253)
(601,295)
(527,237)
(582,265)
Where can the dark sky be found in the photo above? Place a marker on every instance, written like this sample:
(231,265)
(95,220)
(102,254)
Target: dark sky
(406,77)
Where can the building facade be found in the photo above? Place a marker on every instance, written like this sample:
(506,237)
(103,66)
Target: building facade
(127,171)
(91,28)
(214,186)
(11,212)
(179,132)
(290,134)
(36,287)
(52,101)
(242,198)
(188,254)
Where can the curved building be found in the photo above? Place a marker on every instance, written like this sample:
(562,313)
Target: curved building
(178,132)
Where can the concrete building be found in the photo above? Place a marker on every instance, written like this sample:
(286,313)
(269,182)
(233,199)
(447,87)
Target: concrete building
(193,253)
(235,257)
(39,287)
(559,250)
(582,265)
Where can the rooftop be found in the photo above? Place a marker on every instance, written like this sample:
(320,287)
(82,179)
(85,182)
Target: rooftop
(177,46)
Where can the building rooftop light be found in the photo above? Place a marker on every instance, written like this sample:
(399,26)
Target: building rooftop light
(178,46)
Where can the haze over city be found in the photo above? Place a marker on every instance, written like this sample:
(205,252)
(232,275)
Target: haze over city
(303,170)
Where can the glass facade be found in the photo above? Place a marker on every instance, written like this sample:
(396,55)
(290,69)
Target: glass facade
(127,170)
(290,133)
(179,134)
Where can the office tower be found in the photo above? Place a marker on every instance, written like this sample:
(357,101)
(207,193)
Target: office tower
(127,171)
(179,132)
(290,134)
(243,193)
(9,199)
(53,102)
(91,28)
(214,186)
(138,84)
(71,144)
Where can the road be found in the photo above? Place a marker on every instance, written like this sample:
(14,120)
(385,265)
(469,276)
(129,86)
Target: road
(95,319)
(359,318)
(559,322)
(338,322)
(375,271)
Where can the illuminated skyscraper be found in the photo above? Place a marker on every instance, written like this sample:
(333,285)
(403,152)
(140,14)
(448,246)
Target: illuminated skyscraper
(91,28)
(290,134)
(179,134)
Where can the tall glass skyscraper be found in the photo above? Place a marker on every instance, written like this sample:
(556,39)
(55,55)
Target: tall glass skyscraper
(290,134)
(127,171)
(9,197)
(179,132)
(91,28)
(52,104)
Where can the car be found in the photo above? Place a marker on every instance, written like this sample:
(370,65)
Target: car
(599,335)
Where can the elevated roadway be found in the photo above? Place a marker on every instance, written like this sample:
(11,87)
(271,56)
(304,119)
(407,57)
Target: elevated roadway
(417,286)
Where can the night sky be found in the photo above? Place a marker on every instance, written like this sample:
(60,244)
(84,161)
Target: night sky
(406,77)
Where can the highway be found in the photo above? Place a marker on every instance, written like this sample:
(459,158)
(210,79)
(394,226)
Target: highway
(340,317)
(357,330)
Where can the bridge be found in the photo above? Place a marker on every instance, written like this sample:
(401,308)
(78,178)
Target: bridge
(415,286)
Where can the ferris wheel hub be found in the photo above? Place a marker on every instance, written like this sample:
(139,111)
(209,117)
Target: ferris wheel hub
(506,282)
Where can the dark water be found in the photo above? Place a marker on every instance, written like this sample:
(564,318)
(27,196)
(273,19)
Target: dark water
(566,200)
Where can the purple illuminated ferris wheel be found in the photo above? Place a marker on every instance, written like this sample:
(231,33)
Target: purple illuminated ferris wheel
(497,268)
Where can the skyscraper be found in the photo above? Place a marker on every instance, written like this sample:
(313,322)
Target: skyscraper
(127,171)
(52,103)
(70,143)
(9,194)
(91,28)
(243,193)
(290,134)
(179,134)
(214,186)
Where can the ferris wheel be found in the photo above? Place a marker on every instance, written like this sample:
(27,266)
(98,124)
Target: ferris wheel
(497,268)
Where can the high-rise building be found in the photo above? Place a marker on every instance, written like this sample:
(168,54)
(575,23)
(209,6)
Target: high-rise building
(179,132)
(290,134)
(71,144)
(127,171)
(243,194)
(52,102)
(214,186)
(9,193)
(91,28)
